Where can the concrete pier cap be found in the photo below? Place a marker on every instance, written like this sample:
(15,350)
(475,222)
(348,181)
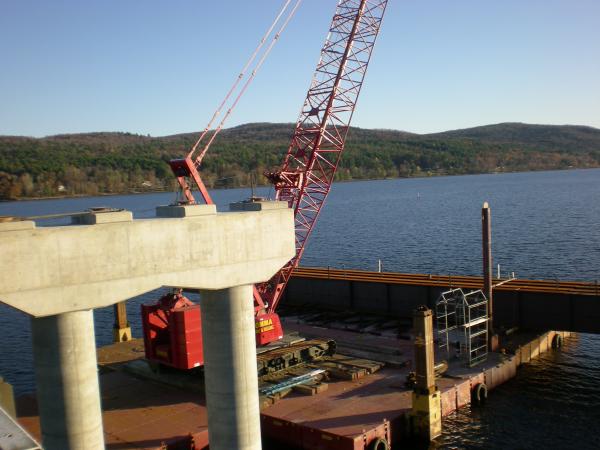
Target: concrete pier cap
(51,270)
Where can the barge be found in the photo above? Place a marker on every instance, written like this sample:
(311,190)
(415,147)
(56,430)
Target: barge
(364,400)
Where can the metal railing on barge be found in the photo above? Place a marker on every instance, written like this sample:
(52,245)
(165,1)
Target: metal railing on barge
(469,282)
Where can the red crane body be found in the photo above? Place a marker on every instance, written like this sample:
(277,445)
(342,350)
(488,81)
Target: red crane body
(309,167)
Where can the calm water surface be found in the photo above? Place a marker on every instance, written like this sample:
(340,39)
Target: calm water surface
(545,225)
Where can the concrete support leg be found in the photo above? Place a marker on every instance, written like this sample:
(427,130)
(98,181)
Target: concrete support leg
(426,398)
(231,381)
(64,350)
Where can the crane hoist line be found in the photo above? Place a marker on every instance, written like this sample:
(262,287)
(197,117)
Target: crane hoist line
(303,180)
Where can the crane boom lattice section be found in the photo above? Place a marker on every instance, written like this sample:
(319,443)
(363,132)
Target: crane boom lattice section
(320,134)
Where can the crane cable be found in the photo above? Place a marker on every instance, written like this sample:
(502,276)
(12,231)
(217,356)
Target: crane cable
(242,74)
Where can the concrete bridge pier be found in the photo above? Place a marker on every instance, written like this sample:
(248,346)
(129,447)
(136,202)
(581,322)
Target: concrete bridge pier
(64,350)
(58,275)
(231,384)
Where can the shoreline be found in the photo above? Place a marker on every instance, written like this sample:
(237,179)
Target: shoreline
(425,175)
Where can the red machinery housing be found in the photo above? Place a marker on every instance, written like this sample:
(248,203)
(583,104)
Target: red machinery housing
(173,332)
(307,172)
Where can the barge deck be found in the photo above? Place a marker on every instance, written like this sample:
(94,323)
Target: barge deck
(143,409)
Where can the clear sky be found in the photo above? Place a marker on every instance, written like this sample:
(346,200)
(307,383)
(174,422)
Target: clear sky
(161,67)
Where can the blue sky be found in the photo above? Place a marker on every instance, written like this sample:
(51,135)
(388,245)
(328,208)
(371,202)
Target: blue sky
(158,67)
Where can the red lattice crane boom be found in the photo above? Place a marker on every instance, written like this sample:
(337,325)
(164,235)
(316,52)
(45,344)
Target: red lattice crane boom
(318,141)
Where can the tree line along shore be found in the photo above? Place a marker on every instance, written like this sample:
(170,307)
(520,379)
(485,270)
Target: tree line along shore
(117,163)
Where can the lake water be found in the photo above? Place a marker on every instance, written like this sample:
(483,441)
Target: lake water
(544,225)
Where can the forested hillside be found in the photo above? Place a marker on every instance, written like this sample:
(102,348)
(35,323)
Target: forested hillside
(95,163)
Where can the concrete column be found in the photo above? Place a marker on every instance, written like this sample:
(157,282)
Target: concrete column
(64,350)
(426,398)
(121,328)
(231,381)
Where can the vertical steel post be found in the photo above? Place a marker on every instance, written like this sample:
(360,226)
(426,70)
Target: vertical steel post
(121,328)
(486,235)
(426,398)
(424,362)
(7,398)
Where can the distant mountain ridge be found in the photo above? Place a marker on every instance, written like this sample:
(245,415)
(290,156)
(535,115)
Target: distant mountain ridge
(114,162)
(585,138)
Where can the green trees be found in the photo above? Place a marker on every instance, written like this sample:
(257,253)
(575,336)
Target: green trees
(96,163)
